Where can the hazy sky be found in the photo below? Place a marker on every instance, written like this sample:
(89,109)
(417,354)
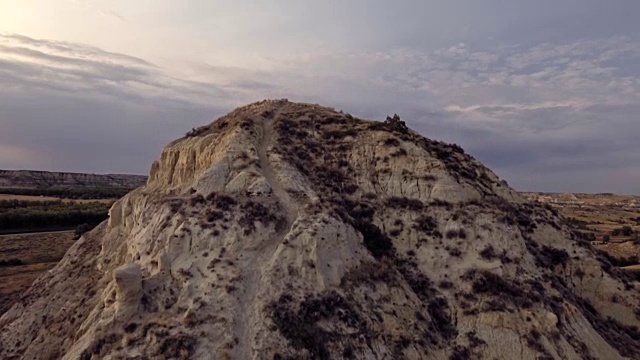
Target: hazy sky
(546,93)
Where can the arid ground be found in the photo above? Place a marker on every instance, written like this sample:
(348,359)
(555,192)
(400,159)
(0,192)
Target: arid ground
(604,216)
(32,204)
(38,252)
(52,198)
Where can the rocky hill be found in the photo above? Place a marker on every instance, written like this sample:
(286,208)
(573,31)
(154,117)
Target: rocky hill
(293,231)
(38,179)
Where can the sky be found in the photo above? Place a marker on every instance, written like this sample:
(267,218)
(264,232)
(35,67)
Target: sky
(545,93)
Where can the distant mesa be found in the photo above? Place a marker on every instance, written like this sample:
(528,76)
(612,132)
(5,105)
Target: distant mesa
(293,231)
(38,179)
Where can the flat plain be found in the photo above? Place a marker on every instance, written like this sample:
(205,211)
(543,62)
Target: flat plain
(36,252)
(603,217)
(52,198)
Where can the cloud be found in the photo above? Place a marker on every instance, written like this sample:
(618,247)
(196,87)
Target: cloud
(547,110)
(84,109)
(28,64)
(513,108)
(102,11)
(544,116)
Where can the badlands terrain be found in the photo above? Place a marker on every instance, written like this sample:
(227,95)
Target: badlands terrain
(294,231)
(612,222)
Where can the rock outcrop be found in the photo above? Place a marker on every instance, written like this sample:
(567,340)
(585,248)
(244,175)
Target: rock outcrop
(292,231)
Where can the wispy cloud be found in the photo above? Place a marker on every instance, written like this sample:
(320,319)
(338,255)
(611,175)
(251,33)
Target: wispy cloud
(27,63)
(102,11)
(533,113)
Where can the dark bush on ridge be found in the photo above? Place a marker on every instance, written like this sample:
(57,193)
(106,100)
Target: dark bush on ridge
(82,229)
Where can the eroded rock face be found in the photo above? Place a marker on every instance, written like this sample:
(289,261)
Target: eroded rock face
(287,231)
(128,282)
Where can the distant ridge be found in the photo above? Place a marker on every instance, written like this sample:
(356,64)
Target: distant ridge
(38,179)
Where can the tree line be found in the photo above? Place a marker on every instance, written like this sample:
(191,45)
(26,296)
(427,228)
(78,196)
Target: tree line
(35,215)
(69,192)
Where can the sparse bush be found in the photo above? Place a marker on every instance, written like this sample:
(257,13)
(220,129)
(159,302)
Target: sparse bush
(301,328)
(486,282)
(370,196)
(374,239)
(419,283)
(130,328)
(587,236)
(194,132)
(175,205)
(441,203)
(623,231)
(394,123)
(456,233)
(428,225)
(488,252)
(460,353)
(392,142)
(455,252)
(396,202)
(399,153)
(197,200)
(214,215)
(221,201)
(255,211)
(179,346)
(440,314)
(333,179)
(553,257)
(369,273)
(578,224)
(339,134)
(81,230)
